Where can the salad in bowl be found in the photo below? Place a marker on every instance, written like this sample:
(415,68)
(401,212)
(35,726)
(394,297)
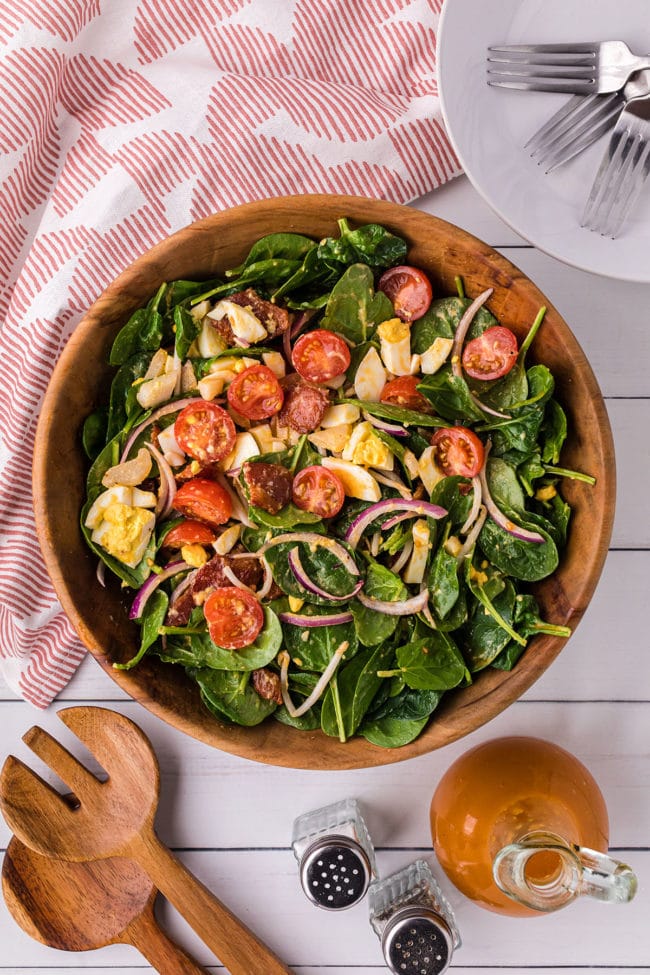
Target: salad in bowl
(327,488)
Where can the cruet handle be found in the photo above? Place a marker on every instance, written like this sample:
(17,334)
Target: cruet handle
(575,871)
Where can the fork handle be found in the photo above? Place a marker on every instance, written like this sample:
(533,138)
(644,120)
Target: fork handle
(236,947)
(163,954)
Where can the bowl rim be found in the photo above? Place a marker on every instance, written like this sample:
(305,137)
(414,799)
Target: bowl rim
(470,709)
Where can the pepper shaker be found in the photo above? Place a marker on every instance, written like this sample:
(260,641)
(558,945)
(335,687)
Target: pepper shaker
(414,921)
(335,854)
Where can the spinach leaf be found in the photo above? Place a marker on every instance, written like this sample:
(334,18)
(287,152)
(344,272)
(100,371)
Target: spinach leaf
(485,637)
(226,695)
(450,396)
(122,404)
(444,584)
(508,657)
(322,567)
(142,333)
(557,514)
(433,663)
(529,622)
(288,247)
(350,306)
(93,435)
(370,244)
(198,650)
(553,432)
(528,561)
(391,732)
(529,470)
(317,650)
(310,721)
(447,494)
(504,485)
(407,705)
(442,320)
(187,329)
(152,619)
(287,518)
(373,627)
(356,685)
(400,414)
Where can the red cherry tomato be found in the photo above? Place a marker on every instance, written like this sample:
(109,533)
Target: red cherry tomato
(403,392)
(319,490)
(256,393)
(320,356)
(409,289)
(234,617)
(204,500)
(205,431)
(490,355)
(458,451)
(189,533)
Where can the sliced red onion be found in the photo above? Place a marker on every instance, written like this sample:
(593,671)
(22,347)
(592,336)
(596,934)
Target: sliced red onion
(152,583)
(457,348)
(267,582)
(239,509)
(296,567)
(396,519)
(100,572)
(234,471)
(375,543)
(167,483)
(313,538)
(394,429)
(476,505)
(402,558)
(242,343)
(401,607)
(182,586)
(394,482)
(386,507)
(498,516)
(426,612)
(235,580)
(318,690)
(174,407)
(296,619)
(294,331)
(469,542)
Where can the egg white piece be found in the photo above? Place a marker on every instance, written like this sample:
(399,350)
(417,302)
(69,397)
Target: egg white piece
(370,378)
(356,481)
(244,324)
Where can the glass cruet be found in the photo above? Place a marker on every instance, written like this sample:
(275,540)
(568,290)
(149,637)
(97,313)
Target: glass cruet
(520,826)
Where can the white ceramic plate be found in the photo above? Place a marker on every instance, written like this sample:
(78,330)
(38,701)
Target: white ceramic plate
(489,126)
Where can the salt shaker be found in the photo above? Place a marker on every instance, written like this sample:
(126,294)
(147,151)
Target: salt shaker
(335,854)
(414,921)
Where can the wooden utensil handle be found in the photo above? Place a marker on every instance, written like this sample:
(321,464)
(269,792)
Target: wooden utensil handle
(233,943)
(161,952)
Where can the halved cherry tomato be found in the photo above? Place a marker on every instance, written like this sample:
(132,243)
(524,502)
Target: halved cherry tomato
(458,451)
(189,533)
(204,500)
(320,356)
(256,393)
(403,392)
(490,355)
(205,431)
(319,490)
(234,617)
(409,289)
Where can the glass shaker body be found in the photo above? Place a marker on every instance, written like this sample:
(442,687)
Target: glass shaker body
(414,921)
(335,854)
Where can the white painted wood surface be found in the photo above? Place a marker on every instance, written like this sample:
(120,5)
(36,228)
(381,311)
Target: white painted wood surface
(231,820)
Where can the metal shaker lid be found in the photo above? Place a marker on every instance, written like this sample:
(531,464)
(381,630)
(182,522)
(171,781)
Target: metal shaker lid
(335,872)
(417,941)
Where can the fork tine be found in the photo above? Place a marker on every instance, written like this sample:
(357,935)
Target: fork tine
(60,760)
(586,48)
(630,188)
(521,70)
(586,61)
(547,131)
(108,741)
(604,182)
(574,87)
(587,120)
(569,148)
(26,799)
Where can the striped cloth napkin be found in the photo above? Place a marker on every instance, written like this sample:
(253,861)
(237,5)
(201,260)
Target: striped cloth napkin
(124,120)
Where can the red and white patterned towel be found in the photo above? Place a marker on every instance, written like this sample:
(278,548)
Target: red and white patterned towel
(124,120)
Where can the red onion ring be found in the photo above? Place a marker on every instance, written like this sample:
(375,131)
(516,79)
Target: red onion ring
(296,567)
(498,516)
(152,583)
(402,558)
(394,429)
(476,505)
(167,482)
(388,506)
(456,351)
(401,607)
(296,619)
(174,407)
(312,538)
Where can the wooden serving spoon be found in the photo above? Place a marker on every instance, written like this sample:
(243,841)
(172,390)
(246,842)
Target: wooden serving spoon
(81,906)
(116,819)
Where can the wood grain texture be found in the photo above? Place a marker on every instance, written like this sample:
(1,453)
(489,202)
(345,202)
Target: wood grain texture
(115,818)
(204,249)
(83,906)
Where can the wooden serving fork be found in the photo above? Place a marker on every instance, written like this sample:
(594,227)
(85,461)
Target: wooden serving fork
(116,819)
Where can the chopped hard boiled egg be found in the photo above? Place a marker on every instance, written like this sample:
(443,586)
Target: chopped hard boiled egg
(172,452)
(395,339)
(370,377)
(333,439)
(194,555)
(124,532)
(365,448)
(246,446)
(275,362)
(244,324)
(340,413)
(156,391)
(429,471)
(414,572)
(356,481)
(436,355)
(227,539)
(208,341)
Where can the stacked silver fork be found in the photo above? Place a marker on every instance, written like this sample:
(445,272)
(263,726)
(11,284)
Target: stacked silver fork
(611,87)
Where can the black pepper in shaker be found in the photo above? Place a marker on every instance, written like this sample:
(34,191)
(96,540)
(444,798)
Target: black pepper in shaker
(414,921)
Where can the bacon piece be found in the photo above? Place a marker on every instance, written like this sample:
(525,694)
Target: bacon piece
(267,684)
(274,319)
(304,405)
(268,485)
(211,576)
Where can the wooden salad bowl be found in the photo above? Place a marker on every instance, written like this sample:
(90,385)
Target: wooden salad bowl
(81,382)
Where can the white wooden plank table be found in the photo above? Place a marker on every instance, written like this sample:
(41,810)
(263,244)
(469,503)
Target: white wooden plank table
(230,820)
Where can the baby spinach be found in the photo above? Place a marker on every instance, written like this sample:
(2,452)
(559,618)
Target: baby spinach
(315,652)
(450,396)
(485,635)
(370,244)
(289,517)
(444,584)
(442,320)
(392,732)
(122,402)
(187,329)
(142,333)
(310,721)
(353,309)
(447,493)
(553,432)
(152,619)
(347,700)
(504,484)
(226,695)
(528,561)
(400,414)
(93,433)
(407,705)
(372,626)
(196,649)
(433,663)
